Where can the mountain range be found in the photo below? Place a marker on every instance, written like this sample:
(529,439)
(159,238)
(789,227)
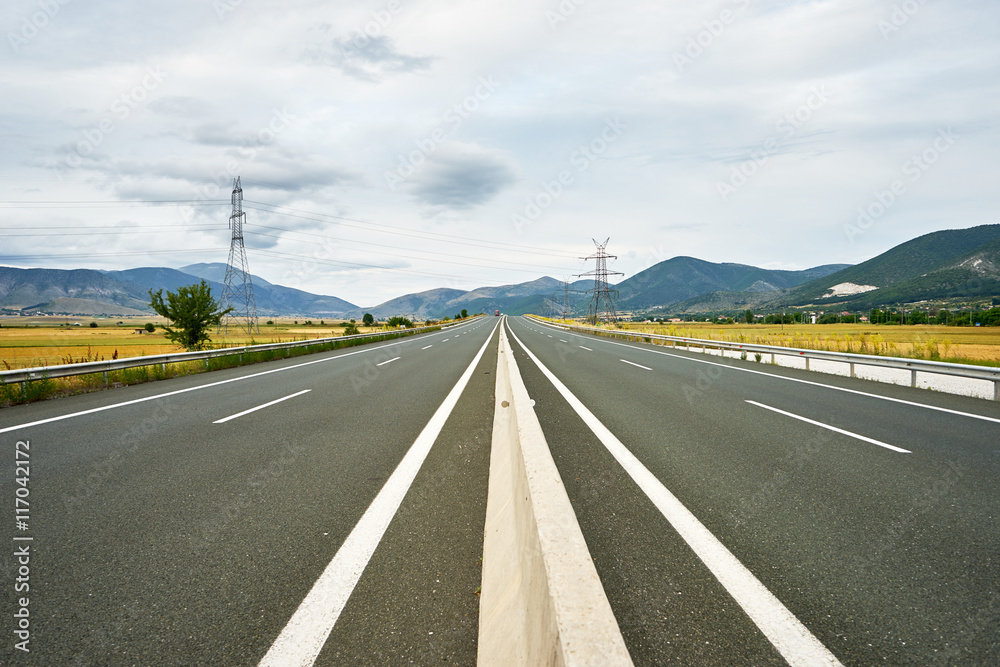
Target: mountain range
(951,264)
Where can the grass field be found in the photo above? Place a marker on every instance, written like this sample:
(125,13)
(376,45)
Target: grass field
(48,341)
(977,345)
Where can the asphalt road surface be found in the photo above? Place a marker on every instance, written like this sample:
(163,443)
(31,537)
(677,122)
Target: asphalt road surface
(329,509)
(885,556)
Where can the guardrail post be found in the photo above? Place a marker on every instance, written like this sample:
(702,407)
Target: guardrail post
(105,374)
(852,369)
(996,390)
(913,378)
(773,362)
(807,363)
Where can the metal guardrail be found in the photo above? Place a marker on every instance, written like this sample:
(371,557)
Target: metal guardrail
(88,367)
(912,365)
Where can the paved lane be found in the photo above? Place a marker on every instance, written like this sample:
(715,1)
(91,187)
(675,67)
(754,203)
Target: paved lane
(884,556)
(161,537)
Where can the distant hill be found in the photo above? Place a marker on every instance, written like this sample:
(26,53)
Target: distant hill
(954,263)
(85,291)
(77,291)
(443,302)
(682,278)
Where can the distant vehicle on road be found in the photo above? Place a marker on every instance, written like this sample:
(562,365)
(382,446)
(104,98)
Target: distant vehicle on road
(496,313)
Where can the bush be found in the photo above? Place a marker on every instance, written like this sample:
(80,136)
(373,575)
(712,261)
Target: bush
(93,325)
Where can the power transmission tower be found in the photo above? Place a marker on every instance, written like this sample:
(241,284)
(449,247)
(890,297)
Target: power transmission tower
(238,293)
(563,300)
(601,304)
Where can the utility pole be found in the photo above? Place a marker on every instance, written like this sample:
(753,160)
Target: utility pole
(601,303)
(238,293)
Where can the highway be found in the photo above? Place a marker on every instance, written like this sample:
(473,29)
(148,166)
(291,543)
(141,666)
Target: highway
(883,556)
(160,537)
(329,509)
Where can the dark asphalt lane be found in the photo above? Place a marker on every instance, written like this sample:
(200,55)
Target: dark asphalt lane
(162,538)
(885,557)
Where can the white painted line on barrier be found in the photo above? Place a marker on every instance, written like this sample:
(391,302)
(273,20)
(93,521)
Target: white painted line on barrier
(901,401)
(302,639)
(260,407)
(389,361)
(789,636)
(632,363)
(831,428)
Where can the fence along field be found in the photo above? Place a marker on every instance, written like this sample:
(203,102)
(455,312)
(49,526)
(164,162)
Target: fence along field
(968,345)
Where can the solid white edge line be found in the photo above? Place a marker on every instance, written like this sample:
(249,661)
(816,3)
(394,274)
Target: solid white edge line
(831,428)
(632,363)
(389,361)
(189,389)
(260,407)
(302,639)
(791,379)
(788,635)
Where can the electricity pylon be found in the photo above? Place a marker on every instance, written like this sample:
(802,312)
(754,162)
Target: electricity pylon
(238,293)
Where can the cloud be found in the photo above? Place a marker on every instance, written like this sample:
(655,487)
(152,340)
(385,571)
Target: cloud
(364,57)
(462,176)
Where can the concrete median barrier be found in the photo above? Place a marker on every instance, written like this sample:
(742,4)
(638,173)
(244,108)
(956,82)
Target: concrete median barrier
(542,602)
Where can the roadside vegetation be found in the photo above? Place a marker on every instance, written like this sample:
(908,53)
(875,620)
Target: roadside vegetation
(963,345)
(49,341)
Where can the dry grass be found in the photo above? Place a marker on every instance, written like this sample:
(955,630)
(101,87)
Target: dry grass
(33,342)
(959,344)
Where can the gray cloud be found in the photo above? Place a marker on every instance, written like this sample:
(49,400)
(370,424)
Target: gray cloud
(364,57)
(461,177)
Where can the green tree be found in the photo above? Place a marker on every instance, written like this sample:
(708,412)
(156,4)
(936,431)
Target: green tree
(368,319)
(150,327)
(351,329)
(399,322)
(465,313)
(748,316)
(191,311)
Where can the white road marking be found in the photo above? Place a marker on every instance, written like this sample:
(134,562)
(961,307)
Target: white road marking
(427,348)
(584,348)
(631,363)
(832,428)
(788,635)
(302,639)
(184,391)
(446,340)
(260,407)
(389,361)
(799,380)
(563,341)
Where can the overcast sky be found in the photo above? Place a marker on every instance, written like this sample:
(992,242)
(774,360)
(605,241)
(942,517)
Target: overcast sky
(414,144)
